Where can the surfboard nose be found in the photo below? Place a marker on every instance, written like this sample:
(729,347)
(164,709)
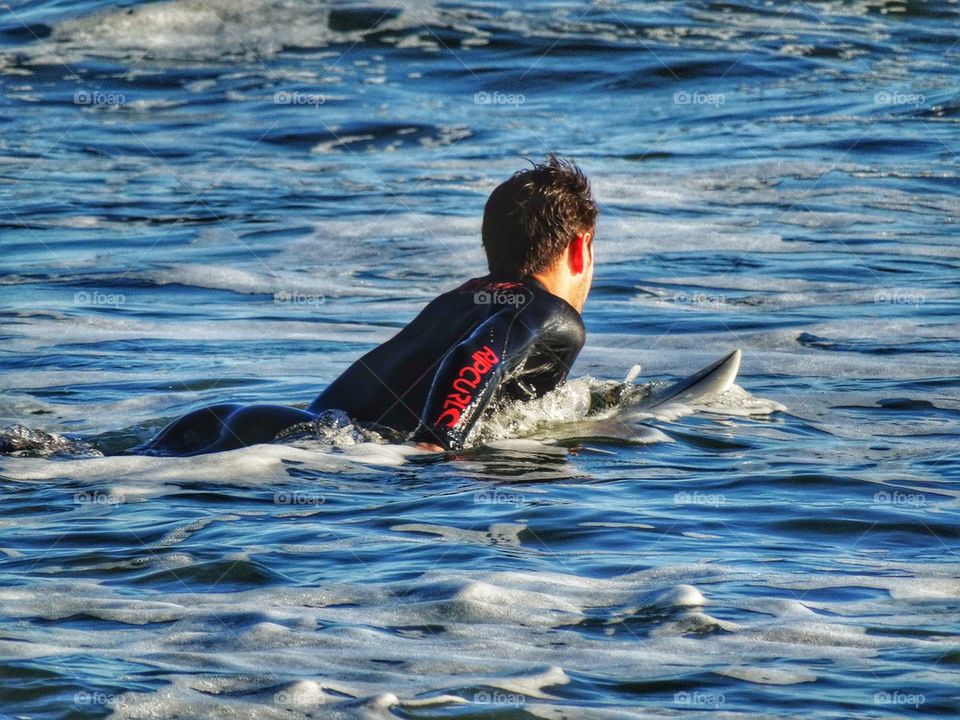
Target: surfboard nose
(726,371)
(715,378)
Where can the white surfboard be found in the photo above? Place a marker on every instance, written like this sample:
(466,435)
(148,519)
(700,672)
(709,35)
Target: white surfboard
(715,378)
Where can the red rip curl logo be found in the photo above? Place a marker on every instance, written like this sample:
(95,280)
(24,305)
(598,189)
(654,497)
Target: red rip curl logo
(464,384)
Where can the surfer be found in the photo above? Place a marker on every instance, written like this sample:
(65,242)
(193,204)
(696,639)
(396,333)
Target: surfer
(511,334)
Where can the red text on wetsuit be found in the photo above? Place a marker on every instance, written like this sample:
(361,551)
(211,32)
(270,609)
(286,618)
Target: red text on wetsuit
(464,384)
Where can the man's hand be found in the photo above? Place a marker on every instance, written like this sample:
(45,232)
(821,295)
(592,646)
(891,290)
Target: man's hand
(430,446)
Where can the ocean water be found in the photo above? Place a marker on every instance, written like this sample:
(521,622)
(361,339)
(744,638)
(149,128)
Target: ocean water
(231,200)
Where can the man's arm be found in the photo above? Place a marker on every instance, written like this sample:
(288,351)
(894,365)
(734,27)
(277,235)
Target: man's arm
(471,372)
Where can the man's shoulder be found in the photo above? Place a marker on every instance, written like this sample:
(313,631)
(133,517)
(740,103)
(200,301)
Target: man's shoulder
(526,303)
(525,294)
(492,285)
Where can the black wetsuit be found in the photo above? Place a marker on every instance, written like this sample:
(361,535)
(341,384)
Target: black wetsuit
(494,337)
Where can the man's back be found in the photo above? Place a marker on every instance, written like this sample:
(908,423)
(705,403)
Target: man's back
(492,337)
(511,334)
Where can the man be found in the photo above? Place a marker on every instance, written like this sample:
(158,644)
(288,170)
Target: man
(512,334)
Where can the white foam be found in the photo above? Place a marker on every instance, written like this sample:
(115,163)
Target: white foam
(513,631)
(497,534)
(197,29)
(279,284)
(768,675)
(736,401)
(217,30)
(254,465)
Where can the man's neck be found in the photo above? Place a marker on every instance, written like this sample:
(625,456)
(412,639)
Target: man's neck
(557,284)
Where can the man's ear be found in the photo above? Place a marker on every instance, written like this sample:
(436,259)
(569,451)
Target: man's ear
(579,253)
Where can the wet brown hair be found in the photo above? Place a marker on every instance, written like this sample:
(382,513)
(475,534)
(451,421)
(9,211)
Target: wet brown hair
(533,216)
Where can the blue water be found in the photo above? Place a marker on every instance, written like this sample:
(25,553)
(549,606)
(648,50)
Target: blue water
(212,201)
